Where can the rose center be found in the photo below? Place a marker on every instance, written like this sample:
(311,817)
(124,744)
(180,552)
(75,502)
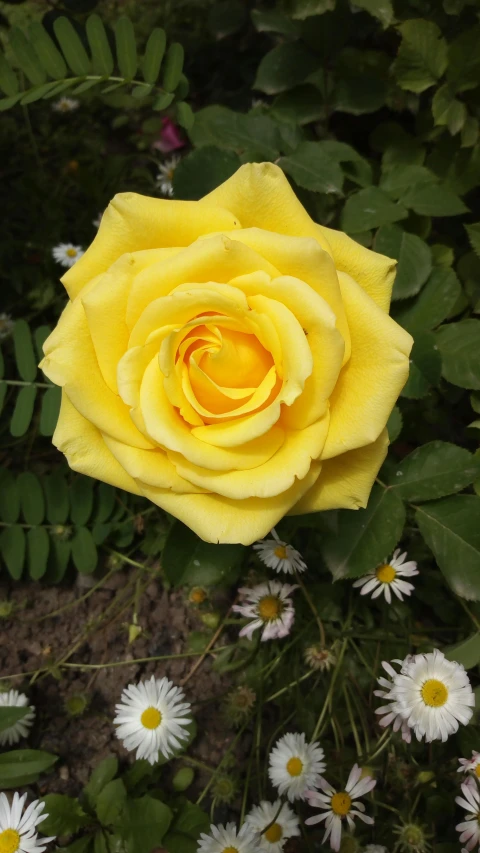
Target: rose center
(294,766)
(274,833)
(341,803)
(9,841)
(434,693)
(151,718)
(385,574)
(281,552)
(269,608)
(72,253)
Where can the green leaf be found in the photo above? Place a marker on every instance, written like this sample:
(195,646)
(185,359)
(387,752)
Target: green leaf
(81,499)
(380,9)
(422,57)
(65,815)
(187,559)
(226,18)
(369,208)
(398,179)
(190,821)
(31,497)
(312,168)
(425,366)
(84,551)
(26,57)
(47,51)
(154,53)
(8,78)
(38,93)
(434,303)
(23,411)
(126,47)
(466,653)
(202,171)
(20,764)
(110,802)
(284,67)
(3,394)
(185,115)
(102,57)
(101,776)
(362,539)
(433,471)
(183,779)
(12,549)
(447,110)
(38,547)
(56,493)
(173,67)
(10,716)
(82,845)
(359,171)
(451,530)
(459,345)
(145,822)
(473,232)
(470,131)
(394,424)
(302,9)
(7,103)
(72,47)
(24,352)
(58,560)
(9,497)
(50,410)
(224,128)
(106,500)
(413,256)
(163,101)
(273,21)
(433,200)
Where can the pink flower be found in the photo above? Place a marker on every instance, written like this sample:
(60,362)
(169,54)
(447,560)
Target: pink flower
(169,139)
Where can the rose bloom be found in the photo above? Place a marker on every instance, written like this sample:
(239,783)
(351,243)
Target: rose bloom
(228,358)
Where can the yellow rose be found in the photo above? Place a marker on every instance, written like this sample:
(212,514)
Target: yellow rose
(229,359)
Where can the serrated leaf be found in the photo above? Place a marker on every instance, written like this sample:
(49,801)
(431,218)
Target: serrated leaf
(413,256)
(284,67)
(380,9)
(274,21)
(126,47)
(24,352)
(434,303)
(26,57)
(451,530)
(422,56)
(84,551)
(361,540)
(435,470)
(173,67)
(425,366)
(369,208)
(31,497)
(202,170)
(72,47)
(12,549)
(154,53)
(8,78)
(38,547)
(473,232)
(23,411)
(459,345)
(433,200)
(311,167)
(398,179)
(11,715)
(47,51)
(102,57)
(223,128)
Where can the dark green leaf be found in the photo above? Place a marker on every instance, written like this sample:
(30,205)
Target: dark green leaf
(422,57)
(72,47)
(9,497)
(185,115)
(11,715)
(302,9)
(202,171)
(362,539)
(433,200)
(466,653)
(459,345)
(284,67)
(81,499)
(7,103)
(24,352)
(224,128)
(398,179)
(450,528)
(154,53)
(105,502)
(190,821)
(110,802)
(31,497)
(369,208)
(434,303)
(425,366)
(50,410)
(84,551)
(23,411)
(36,94)
(65,815)
(226,18)
(413,256)
(311,167)
(433,471)
(58,560)
(8,78)
(473,232)
(126,47)
(381,9)
(23,763)
(145,822)
(187,559)
(47,51)
(12,549)
(26,57)
(101,776)
(173,67)
(394,424)
(38,547)
(102,57)
(56,493)
(273,21)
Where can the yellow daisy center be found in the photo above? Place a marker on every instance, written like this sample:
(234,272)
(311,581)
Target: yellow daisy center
(434,693)
(9,841)
(198,595)
(151,718)
(281,552)
(274,833)
(385,574)
(230,850)
(72,253)
(269,608)
(341,803)
(477,771)
(294,766)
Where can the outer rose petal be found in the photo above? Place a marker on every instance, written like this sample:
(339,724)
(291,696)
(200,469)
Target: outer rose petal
(86,451)
(132,222)
(345,482)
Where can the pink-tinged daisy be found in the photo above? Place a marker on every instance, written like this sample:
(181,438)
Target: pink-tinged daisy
(469,829)
(470,765)
(280,556)
(340,806)
(270,607)
(388,712)
(387,578)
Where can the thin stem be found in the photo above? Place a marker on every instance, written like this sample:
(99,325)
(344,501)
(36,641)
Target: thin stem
(19,382)
(312,608)
(356,738)
(330,691)
(289,686)
(212,642)
(469,613)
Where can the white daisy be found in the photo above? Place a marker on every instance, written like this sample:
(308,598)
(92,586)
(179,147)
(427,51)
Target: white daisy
(470,765)
(14,699)
(388,712)
(388,577)
(269,607)
(151,718)
(433,695)
(226,839)
(341,805)
(17,828)
(165,175)
(469,829)
(281,821)
(67,254)
(65,105)
(6,326)
(295,766)
(280,556)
